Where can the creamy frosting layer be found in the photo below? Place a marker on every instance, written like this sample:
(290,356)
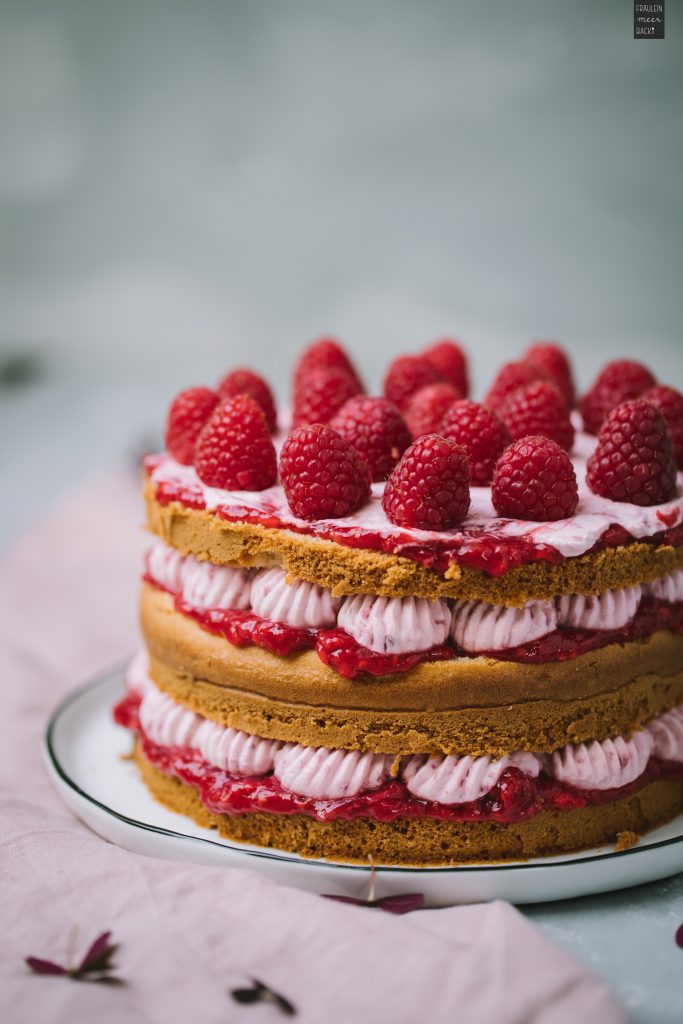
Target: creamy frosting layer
(667,735)
(297,603)
(172,725)
(606,764)
(201,584)
(488,627)
(164,565)
(136,677)
(611,610)
(668,588)
(330,774)
(396,625)
(205,585)
(459,780)
(571,537)
(166,722)
(325,773)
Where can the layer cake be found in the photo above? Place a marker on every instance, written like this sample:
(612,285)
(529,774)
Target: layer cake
(352,686)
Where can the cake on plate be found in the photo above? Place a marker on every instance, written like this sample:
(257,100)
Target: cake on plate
(416,627)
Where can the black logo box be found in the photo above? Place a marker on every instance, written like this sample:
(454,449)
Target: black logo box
(648,20)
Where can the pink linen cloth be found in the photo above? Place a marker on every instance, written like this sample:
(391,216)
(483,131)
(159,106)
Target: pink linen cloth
(187,933)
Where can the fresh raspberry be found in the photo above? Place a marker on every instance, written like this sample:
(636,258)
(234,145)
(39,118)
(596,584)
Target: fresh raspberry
(428,406)
(480,432)
(551,358)
(617,382)
(670,404)
(509,378)
(188,413)
(634,459)
(323,476)
(405,376)
(534,479)
(430,487)
(244,381)
(320,395)
(538,408)
(376,430)
(326,354)
(449,359)
(234,450)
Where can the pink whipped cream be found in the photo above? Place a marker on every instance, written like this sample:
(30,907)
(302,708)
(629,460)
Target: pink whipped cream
(201,584)
(459,780)
(396,625)
(668,588)
(167,723)
(490,627)
(606,764)
(172,725)
(206,585)
(164,565)
(297,603)
(611,610)
(667,735)
(571,537)
(324,773)
(137,677)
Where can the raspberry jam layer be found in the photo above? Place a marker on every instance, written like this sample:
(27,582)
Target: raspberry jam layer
(515,797)
(338,650)
(485,541)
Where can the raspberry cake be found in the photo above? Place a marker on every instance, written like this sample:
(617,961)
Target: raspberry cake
(416,626)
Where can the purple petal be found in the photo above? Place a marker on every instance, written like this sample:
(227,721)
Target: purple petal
(344,899)
(98,947)
(679,937)
(402,904)
(44,966)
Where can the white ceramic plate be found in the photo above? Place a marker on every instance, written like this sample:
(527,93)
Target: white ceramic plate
(84,750)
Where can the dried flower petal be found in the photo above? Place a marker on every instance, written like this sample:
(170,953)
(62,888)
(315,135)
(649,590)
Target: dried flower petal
(262,993)
(96,965)
(98,947)
(247,995)
(346,899)
(39,966)
(402,904)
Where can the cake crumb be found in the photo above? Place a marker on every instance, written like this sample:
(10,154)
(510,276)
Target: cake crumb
(395,766)
(625,840)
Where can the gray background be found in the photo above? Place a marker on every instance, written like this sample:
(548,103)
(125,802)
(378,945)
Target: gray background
(187,185)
